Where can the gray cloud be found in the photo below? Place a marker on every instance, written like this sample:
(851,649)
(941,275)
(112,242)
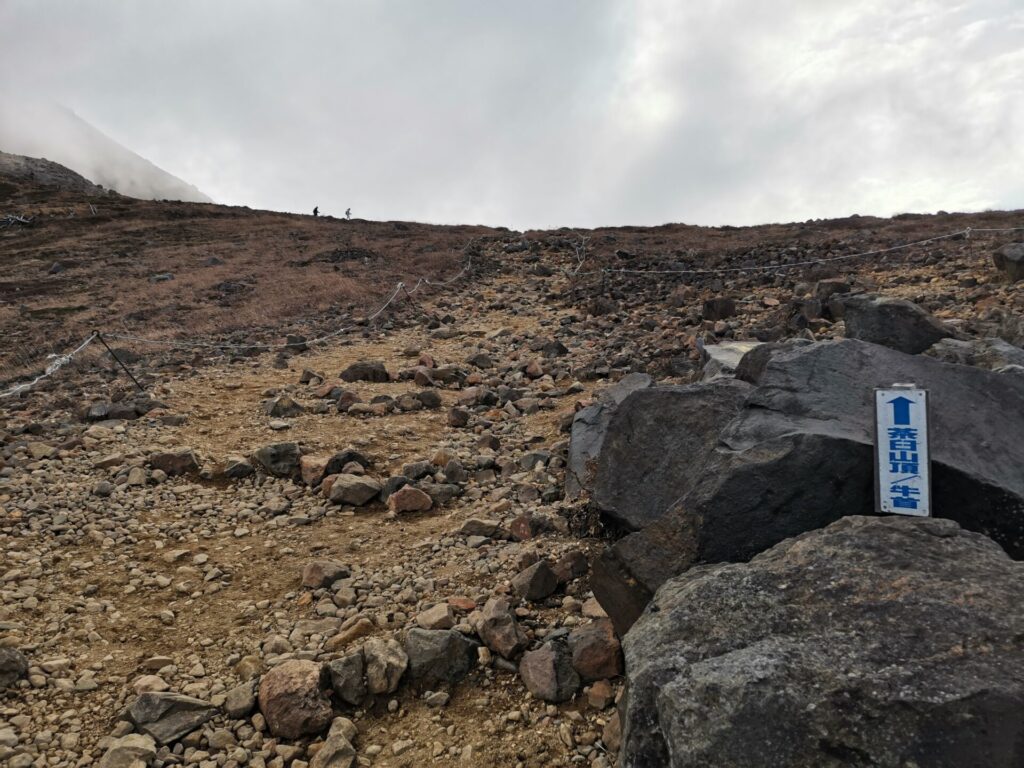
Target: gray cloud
(538,114)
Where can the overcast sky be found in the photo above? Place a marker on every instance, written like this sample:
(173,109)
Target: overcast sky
(538,113)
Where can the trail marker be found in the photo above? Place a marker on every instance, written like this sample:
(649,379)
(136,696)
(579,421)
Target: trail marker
(902,469)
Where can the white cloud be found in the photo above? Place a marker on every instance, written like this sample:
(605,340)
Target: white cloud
(546,114)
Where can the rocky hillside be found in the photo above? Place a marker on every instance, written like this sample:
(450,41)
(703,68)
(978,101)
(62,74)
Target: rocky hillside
(453,533)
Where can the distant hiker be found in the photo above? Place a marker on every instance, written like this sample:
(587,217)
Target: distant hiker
(348,213)
(316,211)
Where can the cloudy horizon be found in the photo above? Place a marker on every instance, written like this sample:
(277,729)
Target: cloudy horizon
(538,115)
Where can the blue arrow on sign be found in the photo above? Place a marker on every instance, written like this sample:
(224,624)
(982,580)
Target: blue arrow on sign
(901,410)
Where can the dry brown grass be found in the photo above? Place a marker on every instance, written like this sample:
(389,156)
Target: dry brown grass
(279,274)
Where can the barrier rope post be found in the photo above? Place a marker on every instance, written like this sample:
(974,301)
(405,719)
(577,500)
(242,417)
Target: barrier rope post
(119,362)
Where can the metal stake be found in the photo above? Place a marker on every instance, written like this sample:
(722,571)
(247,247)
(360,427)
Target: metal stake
(125,367)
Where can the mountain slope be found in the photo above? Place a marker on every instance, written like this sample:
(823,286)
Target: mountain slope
(57,133)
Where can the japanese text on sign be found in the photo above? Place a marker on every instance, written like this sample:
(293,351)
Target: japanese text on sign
(903,479)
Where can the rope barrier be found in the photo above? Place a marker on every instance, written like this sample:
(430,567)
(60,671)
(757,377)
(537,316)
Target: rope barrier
(57,362)
(770,267)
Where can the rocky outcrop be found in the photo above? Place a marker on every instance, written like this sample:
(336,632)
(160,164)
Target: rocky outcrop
(589,427)
(895,323)
(798,455)
(875,641)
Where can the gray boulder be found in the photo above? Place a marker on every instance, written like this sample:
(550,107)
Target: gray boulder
(894,323)
(589,427)
(875,641)
(799,455)
(168,716)
(1010,259)
(721,359)
(498,628)
(13,667)
(366,370)
(129,751)
(179,462)
(386,662)
(548,673)
(279,459)
(992,353)
(354,489)
(535,582)
(439,655)
(347,678)
(240,700)
(283,407)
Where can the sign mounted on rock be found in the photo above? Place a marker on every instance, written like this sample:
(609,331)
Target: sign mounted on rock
(902,471)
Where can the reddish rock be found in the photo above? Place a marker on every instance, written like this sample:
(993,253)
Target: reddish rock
(548,673)
(499,630)
(347,399)
(327,483)
(409,499)
(461,603)
(294,700)
(175,462)
(536,582)
(312,469)
(524,527)
(596,652)
(601,694)
(322,573)
(439,616)
(328,391)
(458,417)
(572,565)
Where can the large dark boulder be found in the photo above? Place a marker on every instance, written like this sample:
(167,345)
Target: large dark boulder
(589,427)
(1010,259)
(799,455)
(366,370)
(656,445)
(13,667)
(894,323)
(872,642)
(439,655)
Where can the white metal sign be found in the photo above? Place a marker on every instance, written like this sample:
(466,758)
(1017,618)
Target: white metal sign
(902,471)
